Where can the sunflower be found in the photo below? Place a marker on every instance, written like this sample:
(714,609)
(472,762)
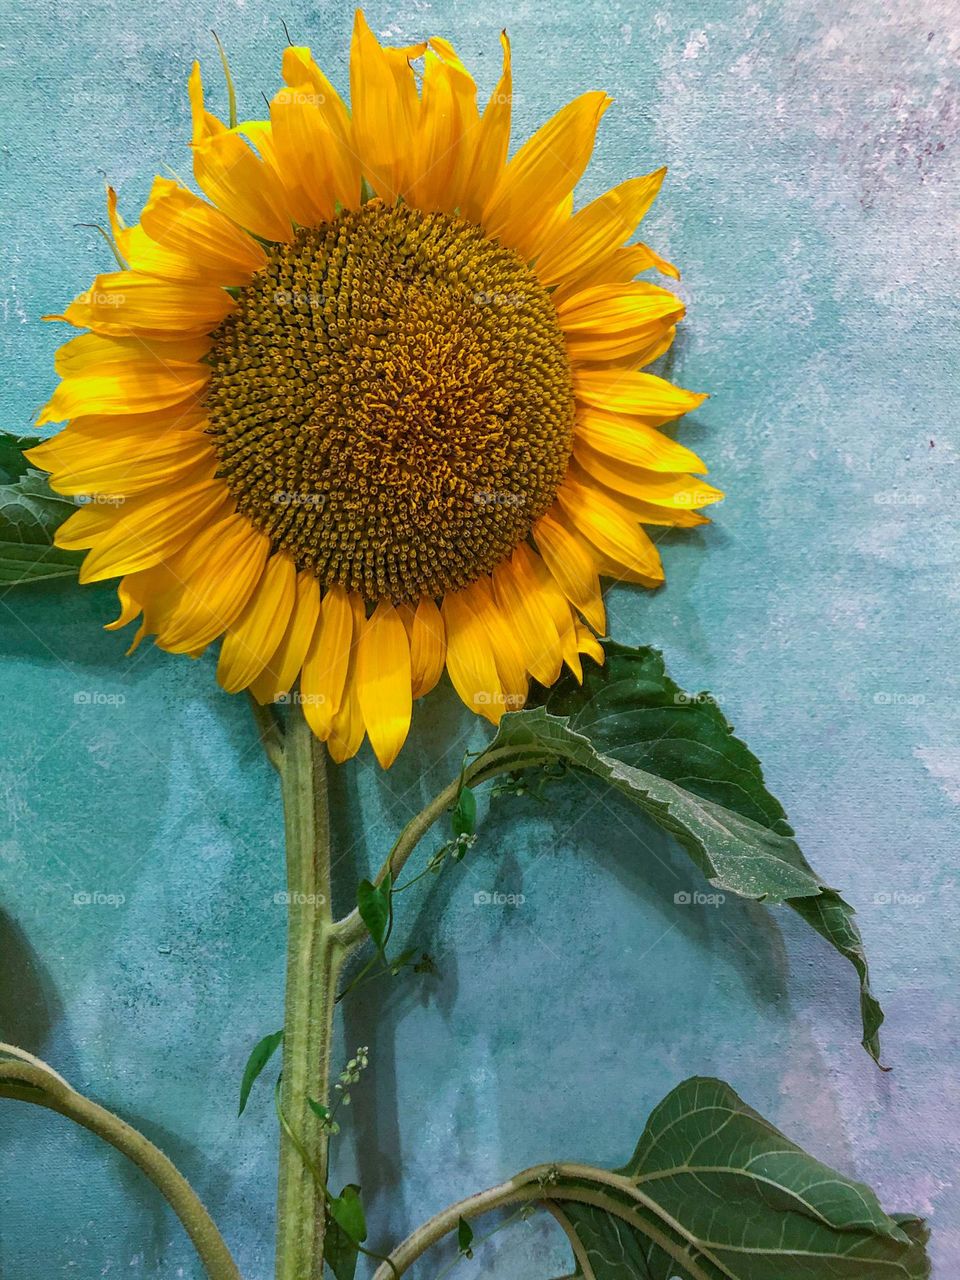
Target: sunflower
(374,407)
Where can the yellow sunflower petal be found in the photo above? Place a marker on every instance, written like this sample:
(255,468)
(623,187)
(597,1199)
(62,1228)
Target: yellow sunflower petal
(617,321)
(542,173)
(588,643)
(383,98)
(101,430)
(186,238)
(610,529)
(643,395)
(507,651)
(597,229)
(232,175)
(383,682)
(124,375)
(515,591)
(219,570)
(253,638)
(347,731)
(573,568)
(283,666)
(121,469)
(427,646)
(326,127)
(632,441)
(325,666)
(446,139)
(619,267)
(471,663)
(125,304)
(492,142)
(152,592)
(146,531)
(659,488)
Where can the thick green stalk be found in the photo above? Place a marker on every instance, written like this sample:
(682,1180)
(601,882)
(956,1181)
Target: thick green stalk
(314,959)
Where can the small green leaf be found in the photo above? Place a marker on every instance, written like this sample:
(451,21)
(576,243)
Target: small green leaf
(318,1109)
(346,1229)
(464,816)
(262,1052)
(373,903)
(465,1237)
(30,514)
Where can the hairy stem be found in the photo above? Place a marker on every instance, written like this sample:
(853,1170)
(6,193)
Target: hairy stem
(32,1081)
(551,1185)
(314,960)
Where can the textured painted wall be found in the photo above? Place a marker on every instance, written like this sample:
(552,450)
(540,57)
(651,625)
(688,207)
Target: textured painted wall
(813,204)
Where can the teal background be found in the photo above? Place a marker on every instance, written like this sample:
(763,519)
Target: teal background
(812,203)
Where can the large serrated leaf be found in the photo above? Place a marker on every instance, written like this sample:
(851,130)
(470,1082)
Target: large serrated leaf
(30,513)
(715,1192)
(676,757)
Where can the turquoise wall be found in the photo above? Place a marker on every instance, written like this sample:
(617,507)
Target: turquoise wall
(813,204)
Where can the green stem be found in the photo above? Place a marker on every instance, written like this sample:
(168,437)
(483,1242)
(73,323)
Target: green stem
(351,931)
(32,1081)
(314,960)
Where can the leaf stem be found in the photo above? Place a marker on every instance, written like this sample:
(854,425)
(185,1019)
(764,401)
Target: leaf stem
(351,932)
(32,1081)
(314,960)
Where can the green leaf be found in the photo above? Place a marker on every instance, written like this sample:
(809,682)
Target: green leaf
(715,1192)
(464,816)
(465,1237)
(262,1052)
(346,1229)
(373,903)
(13,464)
(318,1108)
(30,513)
(676,757)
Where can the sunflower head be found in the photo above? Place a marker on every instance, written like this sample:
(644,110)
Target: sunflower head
(374,408)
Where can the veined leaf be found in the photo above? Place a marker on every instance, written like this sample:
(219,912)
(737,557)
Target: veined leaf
(715,1192)
(30,513)
(676,757)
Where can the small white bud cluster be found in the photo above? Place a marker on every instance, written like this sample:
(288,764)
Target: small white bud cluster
(350,1075)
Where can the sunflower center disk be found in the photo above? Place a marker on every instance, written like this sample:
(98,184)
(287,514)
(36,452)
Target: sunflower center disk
(391,401)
